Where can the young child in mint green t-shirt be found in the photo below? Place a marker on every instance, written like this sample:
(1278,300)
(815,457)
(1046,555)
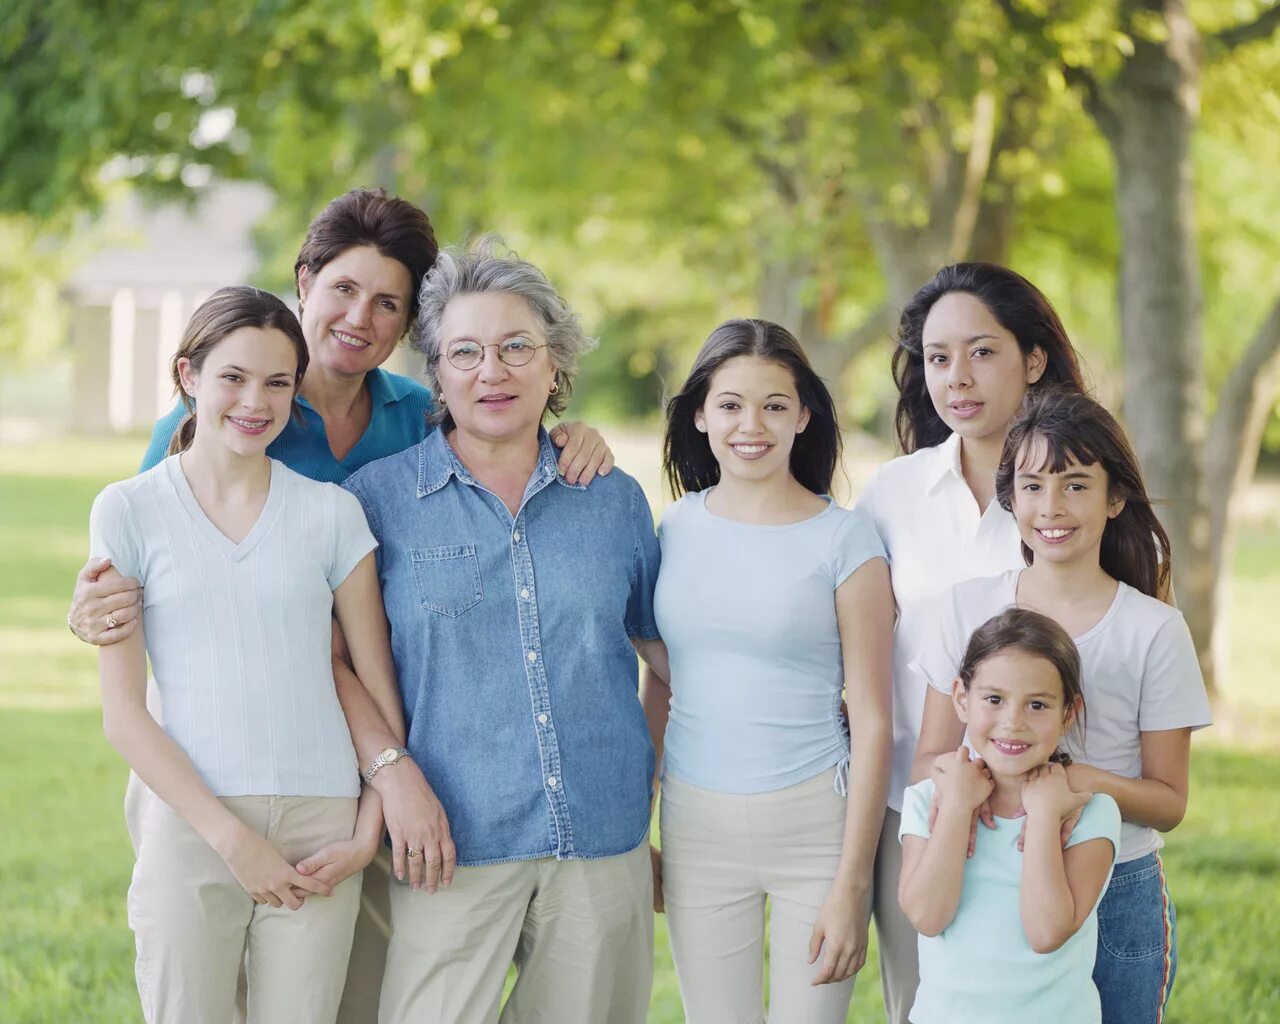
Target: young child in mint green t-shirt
(1008,931)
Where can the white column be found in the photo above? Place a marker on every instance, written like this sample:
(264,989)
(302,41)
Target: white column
(120,365)
(170,337)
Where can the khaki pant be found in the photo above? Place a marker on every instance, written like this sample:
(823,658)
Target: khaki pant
(722,855)
(899,957)
(372,930)
(580,933)
(195,926)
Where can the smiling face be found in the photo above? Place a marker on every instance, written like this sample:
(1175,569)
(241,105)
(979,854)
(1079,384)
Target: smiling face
(494,401)
(243,390)
(751,417)
(1014,710)
(974,370)
(1061,516)
(354,310)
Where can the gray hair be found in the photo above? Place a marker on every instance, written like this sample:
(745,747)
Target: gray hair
(487,265)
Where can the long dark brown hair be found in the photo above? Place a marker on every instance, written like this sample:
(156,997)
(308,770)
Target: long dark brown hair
(225,311)
(1019,307)
(1020,629)
(687,459)
(1075,428)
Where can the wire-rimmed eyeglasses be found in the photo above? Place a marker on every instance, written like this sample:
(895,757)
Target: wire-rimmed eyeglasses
(467,355)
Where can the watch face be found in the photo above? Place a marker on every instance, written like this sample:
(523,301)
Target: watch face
(389,756)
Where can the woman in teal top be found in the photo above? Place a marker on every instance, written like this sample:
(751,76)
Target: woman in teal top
(771,598)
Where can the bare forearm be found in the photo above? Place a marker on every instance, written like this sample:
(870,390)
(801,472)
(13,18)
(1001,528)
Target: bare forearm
(930,894)
(655,698)
(1047,906)
(169,773)
(940,733)
(1148,802)
(369,824)
(871,749)
(369,729)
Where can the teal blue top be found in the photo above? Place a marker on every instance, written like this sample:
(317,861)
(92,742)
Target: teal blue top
(981,968)
(398,421)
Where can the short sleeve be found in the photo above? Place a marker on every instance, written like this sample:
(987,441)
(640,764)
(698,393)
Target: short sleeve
(915,810)
(1100,819)
(1173,694)
(352,538)
(855,543)
(161,434)
(641,623)
(113,533)
(941,648)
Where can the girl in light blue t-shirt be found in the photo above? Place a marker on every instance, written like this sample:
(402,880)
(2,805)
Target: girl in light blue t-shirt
(1008,932)
(771,600)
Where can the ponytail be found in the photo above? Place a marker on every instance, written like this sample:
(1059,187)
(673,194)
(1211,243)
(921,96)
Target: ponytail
(185,434)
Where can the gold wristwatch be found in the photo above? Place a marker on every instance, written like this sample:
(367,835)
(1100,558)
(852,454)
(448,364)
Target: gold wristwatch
(389,756)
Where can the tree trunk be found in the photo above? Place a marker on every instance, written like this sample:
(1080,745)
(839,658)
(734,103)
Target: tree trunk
(1154,101)
(1235,436)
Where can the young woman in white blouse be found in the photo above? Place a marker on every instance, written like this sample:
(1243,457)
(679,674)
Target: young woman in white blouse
(970,343)
(254,849)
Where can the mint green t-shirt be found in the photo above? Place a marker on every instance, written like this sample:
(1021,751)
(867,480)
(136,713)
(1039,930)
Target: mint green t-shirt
(981,968)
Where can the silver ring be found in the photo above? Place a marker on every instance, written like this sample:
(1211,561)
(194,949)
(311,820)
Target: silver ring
(111,620)
(412,852)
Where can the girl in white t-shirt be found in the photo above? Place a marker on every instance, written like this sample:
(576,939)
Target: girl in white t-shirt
(971,342)
(1096,558)
(1008,931)
(771,599)
(254,848)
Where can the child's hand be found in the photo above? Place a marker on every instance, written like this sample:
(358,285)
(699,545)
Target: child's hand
(1046,793)
(338,861)
(961,784)
(267,876)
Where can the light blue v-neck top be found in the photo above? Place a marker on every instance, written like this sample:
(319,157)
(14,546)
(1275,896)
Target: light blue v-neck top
(239,634)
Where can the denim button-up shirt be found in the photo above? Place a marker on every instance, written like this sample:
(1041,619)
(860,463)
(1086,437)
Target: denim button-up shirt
(512,639)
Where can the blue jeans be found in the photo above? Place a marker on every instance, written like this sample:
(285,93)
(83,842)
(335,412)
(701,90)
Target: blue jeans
(1137,944)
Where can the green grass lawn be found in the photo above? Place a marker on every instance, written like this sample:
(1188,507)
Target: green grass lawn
(65,947)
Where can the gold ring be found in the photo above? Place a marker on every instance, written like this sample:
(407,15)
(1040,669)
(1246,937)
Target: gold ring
(412,852)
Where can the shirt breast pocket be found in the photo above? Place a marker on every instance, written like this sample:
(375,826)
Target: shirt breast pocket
(447,578)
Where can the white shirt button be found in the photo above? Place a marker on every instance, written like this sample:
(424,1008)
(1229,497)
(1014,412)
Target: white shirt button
(552,782)
(516,536)
(533,655)
(524,592)
(542,719)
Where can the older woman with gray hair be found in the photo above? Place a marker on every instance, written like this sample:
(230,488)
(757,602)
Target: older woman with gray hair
(517,602)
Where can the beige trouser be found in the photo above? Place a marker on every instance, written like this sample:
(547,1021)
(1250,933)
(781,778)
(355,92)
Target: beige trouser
(373,927)
(579,931)
(195,926)
(722,855)
(899,959)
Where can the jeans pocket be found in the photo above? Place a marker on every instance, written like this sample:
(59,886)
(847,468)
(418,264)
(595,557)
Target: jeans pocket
(447,578)
(1132,917)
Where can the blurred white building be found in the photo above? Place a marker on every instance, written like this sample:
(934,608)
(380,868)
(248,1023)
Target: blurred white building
(129,303)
